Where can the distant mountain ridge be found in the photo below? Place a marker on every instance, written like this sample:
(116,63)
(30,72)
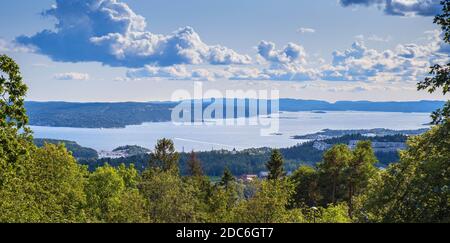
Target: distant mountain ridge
(387,106)
(119,115)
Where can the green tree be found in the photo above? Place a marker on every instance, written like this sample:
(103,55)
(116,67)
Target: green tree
(269,205)
(113,197)
(12,93)
(194,165)
(417,188)
(47,187)
(223,201)
(170,200)
(332,214)
(440,73)
(15,203)
(307,191)
(276,165)
(360,169)
(165,156)
(227,178)
(129,175)
(103,191)
(131,207)
(335,161)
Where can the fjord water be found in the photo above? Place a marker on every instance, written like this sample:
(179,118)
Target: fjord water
(204,137)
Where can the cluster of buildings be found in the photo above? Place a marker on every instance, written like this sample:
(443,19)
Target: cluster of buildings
(253,177)
(377,146)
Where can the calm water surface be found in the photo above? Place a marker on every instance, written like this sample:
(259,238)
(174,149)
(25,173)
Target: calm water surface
(201,137)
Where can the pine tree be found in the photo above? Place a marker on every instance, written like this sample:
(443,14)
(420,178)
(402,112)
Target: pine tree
(359,171)
(164,156)
(276,166)
(335,162)
(227,178)
(194,165)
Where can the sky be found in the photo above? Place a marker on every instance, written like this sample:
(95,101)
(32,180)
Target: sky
(134,50)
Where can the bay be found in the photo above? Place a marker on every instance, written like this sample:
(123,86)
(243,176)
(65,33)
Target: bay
(205,136)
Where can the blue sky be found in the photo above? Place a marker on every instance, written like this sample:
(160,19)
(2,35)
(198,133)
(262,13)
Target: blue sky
(131,50)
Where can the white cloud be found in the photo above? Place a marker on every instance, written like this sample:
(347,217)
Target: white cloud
(11,47)
(177,72)
(401,7)
(304,30)
(374,38)
(108,31)
(408,62)
(289,54)
(287,64)
(71,76)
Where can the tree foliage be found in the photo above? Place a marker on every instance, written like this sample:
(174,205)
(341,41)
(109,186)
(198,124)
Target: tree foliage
(276,165)
(12,93)
(417,188)
(194,165)
(440,73)
(165,156)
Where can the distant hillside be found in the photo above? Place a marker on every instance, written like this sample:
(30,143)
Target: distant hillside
(96,115)
(119,115)
(329,133)
(409,106)
(79,152)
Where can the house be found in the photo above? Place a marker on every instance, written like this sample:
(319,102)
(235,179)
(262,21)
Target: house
(382,146)
(249,178)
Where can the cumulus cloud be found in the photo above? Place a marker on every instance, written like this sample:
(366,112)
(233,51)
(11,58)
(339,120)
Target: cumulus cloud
(408,62)
(374,38)
(286,64)
(401,7)
(179,72)
(176,72)
(71,76)
(10,46)
(108,31)
(289,54)
(304,30)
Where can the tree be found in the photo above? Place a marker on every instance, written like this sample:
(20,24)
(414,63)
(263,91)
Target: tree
(14,146)
(331,214)
(276,166)
(113,197)
(103,192)
(12,93)
(47,186)
(335,161)
(164,156)
(227,178)
(307,191)
(194,165)
(417,188)
(170,200)
(129,175)
(441,74)
(269,205)
(360,169)
(131,207)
